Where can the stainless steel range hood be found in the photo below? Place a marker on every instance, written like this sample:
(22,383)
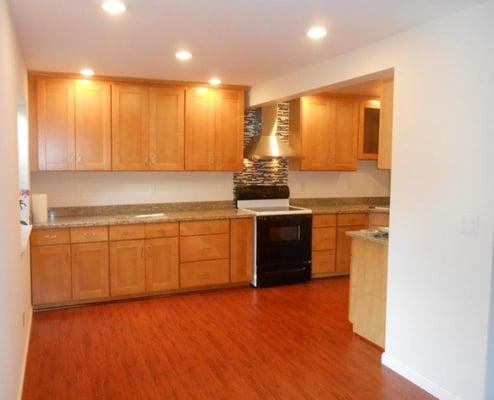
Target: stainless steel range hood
(268,144)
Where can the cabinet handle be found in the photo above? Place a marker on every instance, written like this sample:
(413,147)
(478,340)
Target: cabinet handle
(89,234)
(72,158)
(153,159)
(79,158)
(50,236)
(146,160)
(142,252)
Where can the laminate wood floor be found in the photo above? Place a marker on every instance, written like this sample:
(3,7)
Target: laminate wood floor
(290,342)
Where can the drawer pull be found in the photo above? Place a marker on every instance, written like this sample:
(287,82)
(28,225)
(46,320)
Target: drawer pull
(50,236)
(89,234)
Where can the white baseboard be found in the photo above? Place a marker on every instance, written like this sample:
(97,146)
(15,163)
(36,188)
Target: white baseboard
(416,378)
(26,350)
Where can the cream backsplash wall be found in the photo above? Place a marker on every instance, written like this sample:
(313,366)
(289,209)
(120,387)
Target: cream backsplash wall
(366,181)
(69,189)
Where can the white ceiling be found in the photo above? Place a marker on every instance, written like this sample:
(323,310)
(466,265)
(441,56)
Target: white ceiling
(241,41)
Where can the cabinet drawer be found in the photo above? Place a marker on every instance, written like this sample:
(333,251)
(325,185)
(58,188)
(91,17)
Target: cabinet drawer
(204,273)
(353,219)
(378,219)
(323,238)
(323,261)
(41,237)
(319,221)
(86,235)
(123,232)
(167,229)
(204,247)
(204,227)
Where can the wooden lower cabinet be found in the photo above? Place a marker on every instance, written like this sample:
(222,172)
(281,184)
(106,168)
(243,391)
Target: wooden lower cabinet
(78,265)
(343,247)
(323,262)
(204,273)
(162,264)
(241,250)
(127,267)
(90,271)
(51,274)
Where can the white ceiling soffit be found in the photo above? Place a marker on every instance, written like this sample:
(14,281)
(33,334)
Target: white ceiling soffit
(240,41)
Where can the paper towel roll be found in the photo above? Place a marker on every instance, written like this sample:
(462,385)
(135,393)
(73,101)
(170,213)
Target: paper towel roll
(39,204)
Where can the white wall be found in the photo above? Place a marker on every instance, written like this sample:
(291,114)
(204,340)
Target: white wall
(68,189)
(15,292)
(489,375)
(367,181)
(439,278)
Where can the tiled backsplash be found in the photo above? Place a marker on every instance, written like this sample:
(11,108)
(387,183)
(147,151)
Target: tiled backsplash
(263,172)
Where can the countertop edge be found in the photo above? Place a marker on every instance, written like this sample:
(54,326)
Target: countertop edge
(363,236)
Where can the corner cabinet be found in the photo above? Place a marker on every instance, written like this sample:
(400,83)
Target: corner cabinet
(125,125)
(324,131)
(213,129)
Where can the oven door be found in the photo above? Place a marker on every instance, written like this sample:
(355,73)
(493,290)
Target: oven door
(283,243)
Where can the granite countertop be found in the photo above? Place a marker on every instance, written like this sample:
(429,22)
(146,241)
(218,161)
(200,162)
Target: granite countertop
(72,221)
(365,235)
(348,209)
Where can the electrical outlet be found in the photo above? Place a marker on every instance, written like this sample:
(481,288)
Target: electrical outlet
(470,225)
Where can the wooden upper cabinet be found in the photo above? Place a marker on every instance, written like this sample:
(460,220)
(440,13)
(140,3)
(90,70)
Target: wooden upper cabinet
(368,129)
(166,128)
(130,127)
(386,125)
(199,129)
(324,130)
(55,123)
(93,125)
(229,139)
(346,134)
(213,129)
(317,140)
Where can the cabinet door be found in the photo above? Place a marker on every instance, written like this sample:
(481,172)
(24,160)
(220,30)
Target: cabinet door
(200,129)
(386,126)
(229,141)
(241,250)
(161,264)
(368,129)
(50,272)
(90,271)
(343,247)
(345,134)
(56,135)
(130,127)
(317,142)
(127,267)
(93,125)
(166,128)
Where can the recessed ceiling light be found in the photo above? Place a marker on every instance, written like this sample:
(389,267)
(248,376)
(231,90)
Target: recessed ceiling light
(114,6)
(215,81)
(183,55)
(317,32)
(87,72)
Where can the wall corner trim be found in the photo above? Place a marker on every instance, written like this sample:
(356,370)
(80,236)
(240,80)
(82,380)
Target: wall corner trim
(416,378)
